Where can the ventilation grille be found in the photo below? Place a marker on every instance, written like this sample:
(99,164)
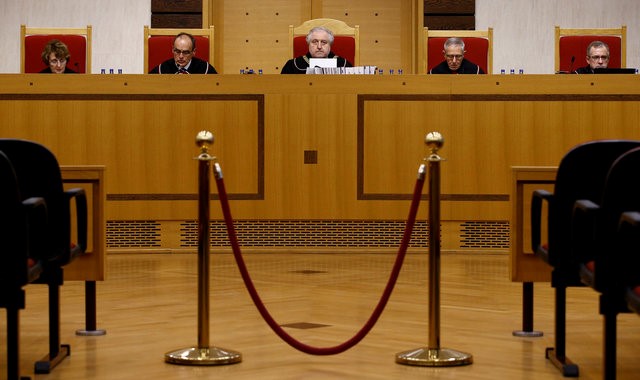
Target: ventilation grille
(133,234)
(308,233)
(479,235)
(484,235)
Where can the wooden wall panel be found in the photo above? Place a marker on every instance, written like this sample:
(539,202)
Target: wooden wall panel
(450,6)
(255,35)
(383,40)
(367,132)
(449,22)
(450,14)
(176,6)
(176,20)
(180,14)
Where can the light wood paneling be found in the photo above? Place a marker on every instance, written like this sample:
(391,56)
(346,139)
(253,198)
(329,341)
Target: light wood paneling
(384,40)
(254,35)
(367,133)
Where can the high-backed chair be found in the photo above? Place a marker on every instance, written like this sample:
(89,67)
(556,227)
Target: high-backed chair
(581,175)
(20,224)
(571,46)
(33,40)
(346,43)
(597,245)
(478,46)
(38,175)
(158,45)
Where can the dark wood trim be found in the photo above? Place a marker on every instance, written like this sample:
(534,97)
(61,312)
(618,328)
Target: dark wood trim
(176,14)
(450,7)
(176,6)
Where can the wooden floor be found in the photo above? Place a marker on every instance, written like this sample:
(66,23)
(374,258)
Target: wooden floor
(148,307)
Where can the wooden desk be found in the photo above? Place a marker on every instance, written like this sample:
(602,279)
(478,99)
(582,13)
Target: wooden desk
(525,266)
(304,153)
(90,266)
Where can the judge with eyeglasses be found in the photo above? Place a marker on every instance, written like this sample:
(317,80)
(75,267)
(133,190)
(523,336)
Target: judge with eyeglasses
(184,61)
(454,61)
(597,58)
(56,55)
(319,40)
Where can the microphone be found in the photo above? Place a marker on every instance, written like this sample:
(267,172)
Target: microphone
(573,59)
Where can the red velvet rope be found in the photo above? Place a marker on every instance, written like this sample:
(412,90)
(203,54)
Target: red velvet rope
(224,202)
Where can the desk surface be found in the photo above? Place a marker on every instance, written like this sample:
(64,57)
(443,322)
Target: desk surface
(591,85)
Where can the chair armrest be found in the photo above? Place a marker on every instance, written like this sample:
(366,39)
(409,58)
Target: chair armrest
(584,240)
(630,219)
(35,203)
(583,229)
(537,198)
(80,198)
(37,220)
(629,243)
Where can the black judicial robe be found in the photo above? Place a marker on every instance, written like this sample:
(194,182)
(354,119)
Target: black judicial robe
(467,67)
(299,64)
(48,71)
(584,70)
(197,66)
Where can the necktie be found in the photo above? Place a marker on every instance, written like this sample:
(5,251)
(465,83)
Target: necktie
(182,70)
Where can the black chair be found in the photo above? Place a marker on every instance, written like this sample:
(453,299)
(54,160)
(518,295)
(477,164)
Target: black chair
(38,175)
(597,245)
(20,224)
(581,175)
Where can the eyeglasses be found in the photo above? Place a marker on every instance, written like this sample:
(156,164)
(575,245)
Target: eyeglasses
(56,62)
(599,57)
(454,56)
(319,42)
(183,52)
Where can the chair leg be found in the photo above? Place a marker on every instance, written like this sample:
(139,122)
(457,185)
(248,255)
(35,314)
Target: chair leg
(13,343)
(557,354)
(609,347)
(57,351)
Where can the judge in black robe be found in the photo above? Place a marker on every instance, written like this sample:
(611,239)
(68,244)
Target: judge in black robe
(299,64)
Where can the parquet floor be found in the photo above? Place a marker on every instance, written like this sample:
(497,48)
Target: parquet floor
(148,305)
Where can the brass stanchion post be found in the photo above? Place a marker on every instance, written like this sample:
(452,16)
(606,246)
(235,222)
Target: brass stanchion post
(203,354)
(433,355)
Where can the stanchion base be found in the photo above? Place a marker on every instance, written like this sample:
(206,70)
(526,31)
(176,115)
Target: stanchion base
(91,332)
(434,357)
(528,334)
(203,356)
